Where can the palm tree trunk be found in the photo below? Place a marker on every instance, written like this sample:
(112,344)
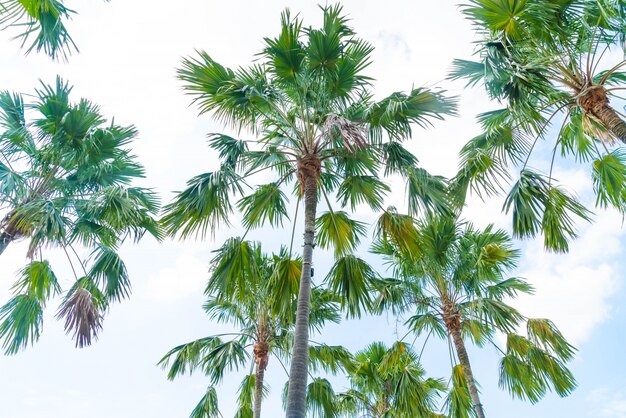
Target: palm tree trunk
(595,101)
(298,375)
(612,121)
(467,370)
(5,240)
(259,374)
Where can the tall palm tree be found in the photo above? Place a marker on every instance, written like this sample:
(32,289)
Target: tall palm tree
(389,382)
(257,301)
(547,63)
(65,183)
(315,123)
(43,19)
(452,277)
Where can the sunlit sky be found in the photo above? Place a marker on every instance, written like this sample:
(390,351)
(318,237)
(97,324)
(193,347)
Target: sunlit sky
(128,54)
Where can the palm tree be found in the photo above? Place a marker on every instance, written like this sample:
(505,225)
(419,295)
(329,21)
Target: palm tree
(388,382)
(64,183)
(452,277)
(547,62)
(43,19)
(315,123)
(257,301)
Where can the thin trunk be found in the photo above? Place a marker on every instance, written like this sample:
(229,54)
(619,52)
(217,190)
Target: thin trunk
(296,396)
(259,374)
(467,370)
(612,121)
(5,240)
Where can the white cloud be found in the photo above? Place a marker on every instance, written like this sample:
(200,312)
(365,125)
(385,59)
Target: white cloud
(575,289)
(608,403)
(185,278)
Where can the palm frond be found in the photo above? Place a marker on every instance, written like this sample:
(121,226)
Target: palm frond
(21,320)
(336,231)
(353,280)
(207,407)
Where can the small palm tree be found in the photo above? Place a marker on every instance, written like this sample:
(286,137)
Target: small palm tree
(388,382)
(64,183)
(260,293)
(43,19)
(316,125)
(545,62)
(452,277)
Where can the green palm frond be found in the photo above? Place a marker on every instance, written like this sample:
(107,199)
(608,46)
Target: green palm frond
(494,313)
(38,281)
(325,306)
(285,283)
(426,323)
(44,20)
(426,193)
(528,371)
(207,407)
(21,320)
(396,113)
(545,334)
(109,272)
(538,206)
(609,177)
(336,231)
(398,229)
(357,190)
(509,288)
(224,356)
(245,395)
(321,399)
(353,280)
(234,263)
(477,331)
(329,358)
(217,89)
(397,159)
(203,206)
(230,150)
(458,402)
(268,204)
(286,52)
(186,358)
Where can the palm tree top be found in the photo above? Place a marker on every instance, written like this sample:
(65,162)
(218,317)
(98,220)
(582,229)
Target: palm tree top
(550,65)
(66,182)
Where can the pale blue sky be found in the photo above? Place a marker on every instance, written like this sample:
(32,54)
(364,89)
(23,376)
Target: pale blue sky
(129,51)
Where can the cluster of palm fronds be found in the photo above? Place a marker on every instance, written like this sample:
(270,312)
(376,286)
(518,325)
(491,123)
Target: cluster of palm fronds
(64,183)
(320,136)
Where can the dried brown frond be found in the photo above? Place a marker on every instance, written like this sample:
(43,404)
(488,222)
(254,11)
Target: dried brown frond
(81,317)
(353,135)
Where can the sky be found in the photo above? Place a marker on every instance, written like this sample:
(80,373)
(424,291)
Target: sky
(129,51)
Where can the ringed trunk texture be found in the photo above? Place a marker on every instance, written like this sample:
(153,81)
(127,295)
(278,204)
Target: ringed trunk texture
(296,396)
(259,374)
(596,102)
(467,370)
(612,121)
(261,357)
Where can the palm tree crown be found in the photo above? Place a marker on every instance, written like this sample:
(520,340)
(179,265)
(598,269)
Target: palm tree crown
(544,61)
(389,382)
(255,293)
(452,277)
(64,183)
